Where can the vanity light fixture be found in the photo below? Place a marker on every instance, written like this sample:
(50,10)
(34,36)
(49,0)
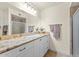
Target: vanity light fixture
(31,9)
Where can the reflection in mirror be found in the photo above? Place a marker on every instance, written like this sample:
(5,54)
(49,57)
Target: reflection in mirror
(18,24)
(5,29)
(0,30)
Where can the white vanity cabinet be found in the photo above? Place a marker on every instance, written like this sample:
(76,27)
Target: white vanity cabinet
(36,48)
(44,45)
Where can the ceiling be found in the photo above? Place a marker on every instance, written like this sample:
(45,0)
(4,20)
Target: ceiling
(37,5)
(43,5)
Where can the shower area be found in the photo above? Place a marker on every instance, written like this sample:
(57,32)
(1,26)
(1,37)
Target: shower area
(74,14)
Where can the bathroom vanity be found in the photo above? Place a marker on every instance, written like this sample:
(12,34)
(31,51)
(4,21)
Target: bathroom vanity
(26,46)
(15,21)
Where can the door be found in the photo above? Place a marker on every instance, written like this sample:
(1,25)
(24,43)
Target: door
(76,34)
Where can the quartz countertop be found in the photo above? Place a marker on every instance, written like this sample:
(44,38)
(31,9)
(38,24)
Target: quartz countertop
(6,45)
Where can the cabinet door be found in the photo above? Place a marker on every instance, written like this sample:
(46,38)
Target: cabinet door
(45,41)
(26,53)
(43,45)
(37,48)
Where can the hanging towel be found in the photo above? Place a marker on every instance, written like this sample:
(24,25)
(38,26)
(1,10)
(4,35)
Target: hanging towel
(56,29)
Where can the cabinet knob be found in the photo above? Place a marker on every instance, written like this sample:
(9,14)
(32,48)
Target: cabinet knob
(22,49)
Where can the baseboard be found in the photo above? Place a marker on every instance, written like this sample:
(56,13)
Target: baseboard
(61,54)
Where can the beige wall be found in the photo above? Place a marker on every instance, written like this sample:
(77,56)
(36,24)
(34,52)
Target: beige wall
(58,15)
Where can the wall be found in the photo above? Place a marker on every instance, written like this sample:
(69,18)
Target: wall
(3,18)
(58,15)
(1,21)
(33,21)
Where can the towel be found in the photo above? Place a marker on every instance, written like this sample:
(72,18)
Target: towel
(56,29)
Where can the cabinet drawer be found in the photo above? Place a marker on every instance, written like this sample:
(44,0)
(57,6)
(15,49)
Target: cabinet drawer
(26,53)
(26,50)
(12,53)
(26,47)
(16,51)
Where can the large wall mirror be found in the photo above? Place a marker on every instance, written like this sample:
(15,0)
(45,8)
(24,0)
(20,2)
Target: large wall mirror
(18,24)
